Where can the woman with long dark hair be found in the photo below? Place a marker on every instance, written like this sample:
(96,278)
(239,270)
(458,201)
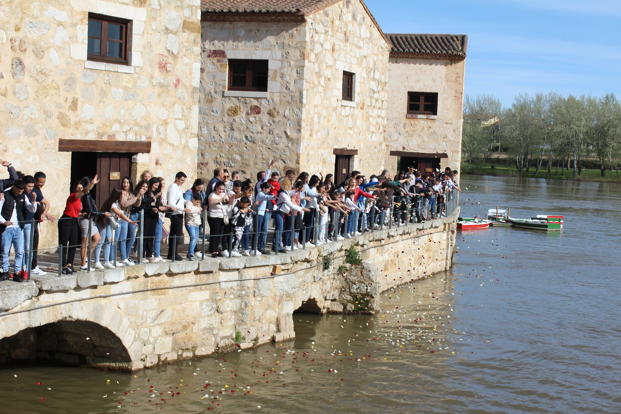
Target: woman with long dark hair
(130,202)
(68,226)
(219,204)
(151,203)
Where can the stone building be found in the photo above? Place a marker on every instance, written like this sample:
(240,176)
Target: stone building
(93,86)
(425,100)
(317,85)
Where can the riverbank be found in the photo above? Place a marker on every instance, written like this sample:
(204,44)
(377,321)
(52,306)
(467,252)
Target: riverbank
(555,174)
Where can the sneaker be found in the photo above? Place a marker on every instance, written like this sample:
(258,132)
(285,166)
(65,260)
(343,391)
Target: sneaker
(246,253)
(157,259)
(67,271)
(99,266)
(38,271)
(358,233)
(225,253)
(108,265)
(340,238)
(128,262)
(4,276)
(190,258)
(84,268)
(198,255)
(287,248)
(297,245)
(24,275)
(257,253)
(320,242)
(310,244)
(236,254)
(17,277)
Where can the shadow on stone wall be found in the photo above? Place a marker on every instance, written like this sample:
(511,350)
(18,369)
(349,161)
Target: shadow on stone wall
(66,343)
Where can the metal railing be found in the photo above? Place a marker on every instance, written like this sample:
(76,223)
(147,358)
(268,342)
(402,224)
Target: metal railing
(289,233)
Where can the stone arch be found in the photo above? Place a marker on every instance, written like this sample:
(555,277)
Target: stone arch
(66,342)
(309,306)
(96,315)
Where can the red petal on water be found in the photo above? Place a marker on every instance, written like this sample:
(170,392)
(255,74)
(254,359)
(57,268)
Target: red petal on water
(42,399)
(39,383)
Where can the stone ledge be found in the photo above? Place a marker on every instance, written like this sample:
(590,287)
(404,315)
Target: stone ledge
(267,260)
(92,279)
(135,271)
(185,266)
(48,283)
(13,294)
(208,266)
(155,269)
(114,275)
(232,263)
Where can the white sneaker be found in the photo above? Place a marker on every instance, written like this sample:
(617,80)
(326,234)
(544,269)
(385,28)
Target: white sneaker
(288,248)
(225,253)
(235,253)
(119,264)
(310,244)
(245,252)
(298,245)
(99,266)
(319,243)
(38,271)
(358,233)
(108,265)
(339,237)
(128,262)
(257,253)
(157,259)
(198,255)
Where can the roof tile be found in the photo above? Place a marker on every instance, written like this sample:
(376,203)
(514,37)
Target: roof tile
(303,7)
(434,45)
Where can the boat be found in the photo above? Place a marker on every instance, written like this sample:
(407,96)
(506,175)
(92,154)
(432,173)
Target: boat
(498,217)
(475,223)
(539,222)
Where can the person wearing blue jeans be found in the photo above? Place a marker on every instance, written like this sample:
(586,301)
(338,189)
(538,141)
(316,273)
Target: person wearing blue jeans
(279,225)
(105,242)
(13,208)
(263,206)
(130,202)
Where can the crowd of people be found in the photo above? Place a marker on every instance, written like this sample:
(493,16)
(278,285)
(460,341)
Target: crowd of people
(241,216)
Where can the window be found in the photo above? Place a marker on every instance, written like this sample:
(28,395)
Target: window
(423,103)
(248,75)
(349,82)
(109,39)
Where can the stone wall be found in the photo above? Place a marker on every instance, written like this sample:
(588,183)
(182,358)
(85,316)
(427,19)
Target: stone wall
(164,312)
(431,135)
(341,38)
(244,131)
(49,90)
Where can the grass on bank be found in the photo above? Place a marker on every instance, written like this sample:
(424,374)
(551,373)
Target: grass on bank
(488,168)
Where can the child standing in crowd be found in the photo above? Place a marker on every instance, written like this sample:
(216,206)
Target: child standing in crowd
(241,218)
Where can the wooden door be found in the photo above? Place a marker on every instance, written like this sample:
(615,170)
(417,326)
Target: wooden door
(343,167)
(112,168)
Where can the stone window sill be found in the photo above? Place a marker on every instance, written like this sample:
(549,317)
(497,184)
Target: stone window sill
(351,104)
(109,67)
(246,94)
(416,116)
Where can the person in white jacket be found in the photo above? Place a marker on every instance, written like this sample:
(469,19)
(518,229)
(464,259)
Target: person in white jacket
(284,207)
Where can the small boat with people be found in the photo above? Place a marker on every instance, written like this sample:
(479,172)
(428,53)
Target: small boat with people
(474,223)
(539,222)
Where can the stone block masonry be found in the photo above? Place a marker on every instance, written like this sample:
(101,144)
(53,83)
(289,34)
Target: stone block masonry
(181,310)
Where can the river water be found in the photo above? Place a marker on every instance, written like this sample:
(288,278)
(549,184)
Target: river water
(526,322)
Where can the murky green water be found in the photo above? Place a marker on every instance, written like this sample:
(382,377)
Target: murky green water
(526,322)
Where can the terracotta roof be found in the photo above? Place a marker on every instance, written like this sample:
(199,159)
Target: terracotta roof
(300,7)
(446,46)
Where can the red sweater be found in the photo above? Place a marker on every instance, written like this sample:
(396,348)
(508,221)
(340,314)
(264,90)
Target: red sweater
(275,189)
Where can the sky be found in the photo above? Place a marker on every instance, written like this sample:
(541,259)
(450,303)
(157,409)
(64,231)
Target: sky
(522,46)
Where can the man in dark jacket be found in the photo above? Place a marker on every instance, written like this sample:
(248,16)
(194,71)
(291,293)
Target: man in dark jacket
(13,210)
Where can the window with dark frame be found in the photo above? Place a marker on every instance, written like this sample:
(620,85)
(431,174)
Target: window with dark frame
(248,75)
(109,39)
(422,103)
(349,80)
